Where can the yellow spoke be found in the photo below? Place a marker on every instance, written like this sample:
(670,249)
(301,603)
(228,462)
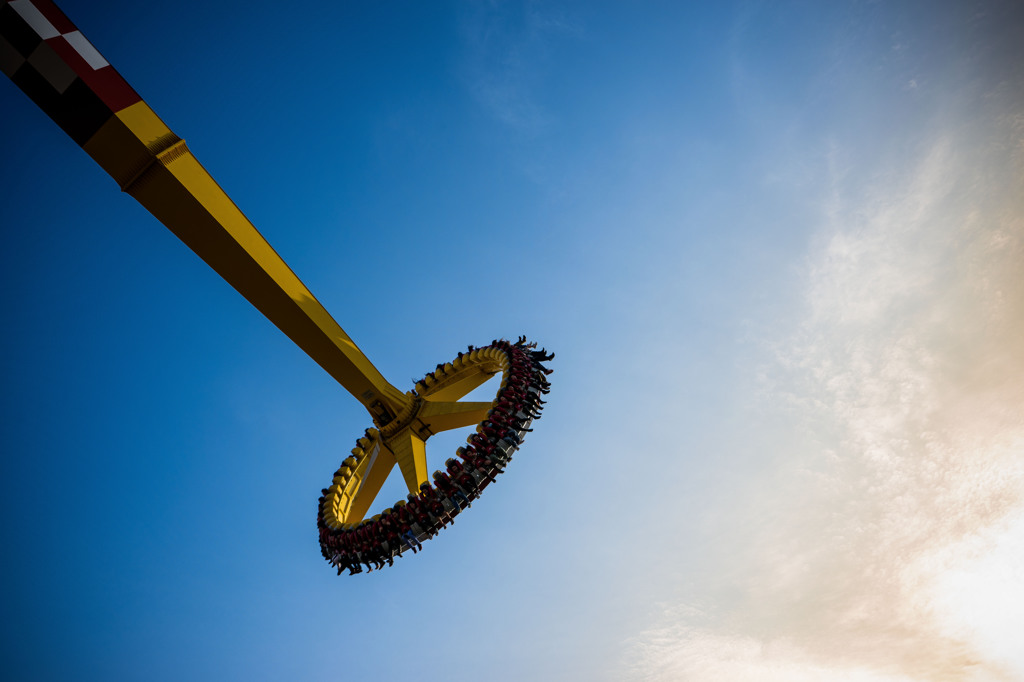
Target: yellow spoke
(410,452)
(443,416)
(367,482)
(459,386)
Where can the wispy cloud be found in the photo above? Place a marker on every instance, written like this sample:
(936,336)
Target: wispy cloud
(904,383)
(506,56)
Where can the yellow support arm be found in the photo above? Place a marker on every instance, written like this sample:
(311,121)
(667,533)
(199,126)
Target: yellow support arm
(155,167)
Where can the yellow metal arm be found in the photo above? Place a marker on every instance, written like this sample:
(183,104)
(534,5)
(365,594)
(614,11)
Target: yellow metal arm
(155,167)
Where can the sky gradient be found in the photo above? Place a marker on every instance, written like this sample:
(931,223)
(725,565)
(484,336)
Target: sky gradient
(776,248)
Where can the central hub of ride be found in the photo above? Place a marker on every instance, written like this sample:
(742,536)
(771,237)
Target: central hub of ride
(431,407)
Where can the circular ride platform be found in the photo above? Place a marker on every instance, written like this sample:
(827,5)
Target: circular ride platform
(349,541)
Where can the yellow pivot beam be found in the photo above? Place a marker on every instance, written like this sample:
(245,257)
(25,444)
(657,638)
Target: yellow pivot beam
(155,167)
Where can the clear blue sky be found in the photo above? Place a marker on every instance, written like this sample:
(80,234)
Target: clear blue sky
(775,246)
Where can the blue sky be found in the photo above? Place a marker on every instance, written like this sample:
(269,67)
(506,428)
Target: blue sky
(775,247)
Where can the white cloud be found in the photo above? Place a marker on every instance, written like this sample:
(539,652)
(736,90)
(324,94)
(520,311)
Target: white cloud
(677,652)
(904,388)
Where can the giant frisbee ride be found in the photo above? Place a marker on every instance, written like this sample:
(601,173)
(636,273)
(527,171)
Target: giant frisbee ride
(46,56)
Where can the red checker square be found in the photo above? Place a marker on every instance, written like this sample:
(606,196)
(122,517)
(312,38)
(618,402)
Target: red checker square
(114,90)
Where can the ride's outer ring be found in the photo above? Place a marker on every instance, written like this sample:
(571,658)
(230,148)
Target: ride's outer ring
(523,380)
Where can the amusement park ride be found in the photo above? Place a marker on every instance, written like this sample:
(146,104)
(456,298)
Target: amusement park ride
(52,62)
